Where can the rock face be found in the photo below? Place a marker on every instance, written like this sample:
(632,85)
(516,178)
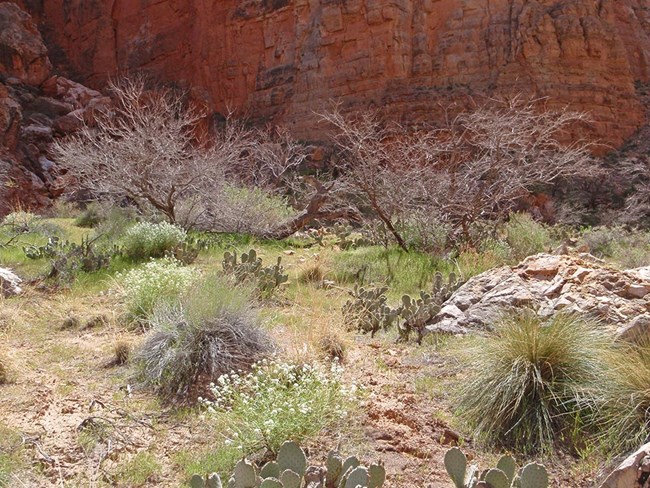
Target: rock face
(582,284)
(35,106)
(9,283)
(634,472)
(286,58)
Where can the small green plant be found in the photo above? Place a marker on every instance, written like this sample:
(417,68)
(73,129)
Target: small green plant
(138,470)
(212,330)
(368,311)
(279,401)
(290,470)
(505,475)
(529,380)
(249,269)
(149,240)
(157,281)
(525,236)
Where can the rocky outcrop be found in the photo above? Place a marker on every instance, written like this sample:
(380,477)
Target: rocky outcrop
(9,283)
(283,59)
(35,106)
(634,472)
(550,283)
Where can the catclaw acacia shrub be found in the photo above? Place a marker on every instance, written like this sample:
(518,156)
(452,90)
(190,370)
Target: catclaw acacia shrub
(151,240)
(157,281)
(212,330)
(624,415)
(531,379)
(280,401)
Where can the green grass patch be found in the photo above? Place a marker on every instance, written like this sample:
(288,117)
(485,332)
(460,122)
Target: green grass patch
(138,470)
(404,272)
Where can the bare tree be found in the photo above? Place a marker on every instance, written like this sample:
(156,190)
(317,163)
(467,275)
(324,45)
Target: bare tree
(636,174)
(147,148)
(476,167)
(383,166)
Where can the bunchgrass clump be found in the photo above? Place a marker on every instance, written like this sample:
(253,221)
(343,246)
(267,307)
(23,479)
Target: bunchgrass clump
(529,381)
(213,330)
(279,401)
(121,353)
(526,237)
(149,240)
(625,413)
(153,283)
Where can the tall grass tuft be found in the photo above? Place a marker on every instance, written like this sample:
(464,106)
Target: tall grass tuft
(212,331)
(625,413)
(530,380)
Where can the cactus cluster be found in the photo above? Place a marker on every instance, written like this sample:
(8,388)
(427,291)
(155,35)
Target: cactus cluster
(443,290)
(416,313)
(249,268)
(368,311)
(290,470)
(505,475)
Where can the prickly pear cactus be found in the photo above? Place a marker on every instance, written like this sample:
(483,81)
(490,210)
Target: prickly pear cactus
(533,475)
(211,481)
(270,470)
(244,476)
(250,269)
(334,468)
(292,457)
(377,475)
(443,290)
(416,313)
(456,466)
(368,311)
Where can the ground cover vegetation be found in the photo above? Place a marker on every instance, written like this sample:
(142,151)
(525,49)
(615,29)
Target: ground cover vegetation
(243,303)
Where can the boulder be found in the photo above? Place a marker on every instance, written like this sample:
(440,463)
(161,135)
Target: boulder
(572,283)
(9,283)
(634,472)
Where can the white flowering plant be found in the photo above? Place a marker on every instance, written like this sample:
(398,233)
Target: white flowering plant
(152,240)
(280,401)
(157,281)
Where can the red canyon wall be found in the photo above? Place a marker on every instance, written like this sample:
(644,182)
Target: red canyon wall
(286,58)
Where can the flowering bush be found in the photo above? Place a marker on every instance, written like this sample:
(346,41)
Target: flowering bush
(156,281)
(279,401)
(148,240)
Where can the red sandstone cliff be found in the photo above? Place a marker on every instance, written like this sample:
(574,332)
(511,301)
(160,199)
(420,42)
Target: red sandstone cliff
(286,58)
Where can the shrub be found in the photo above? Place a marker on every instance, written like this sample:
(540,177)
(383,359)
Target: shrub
(627,249)
(154,282)
(21,221)
(148,240)
(278,401)
(248,210)
(528,378)
(525,236)
(625,410)
(90,217)
(212,331)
